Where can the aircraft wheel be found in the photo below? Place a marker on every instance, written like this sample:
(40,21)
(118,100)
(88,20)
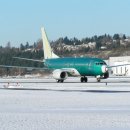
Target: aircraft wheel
(84,79)
(57,81)
(60,81)
(98,80)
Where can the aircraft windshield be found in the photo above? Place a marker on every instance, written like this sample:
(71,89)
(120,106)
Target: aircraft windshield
(101,63)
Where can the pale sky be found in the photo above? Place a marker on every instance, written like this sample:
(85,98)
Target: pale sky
(20,21)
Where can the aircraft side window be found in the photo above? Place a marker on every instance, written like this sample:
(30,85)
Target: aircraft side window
(96,64)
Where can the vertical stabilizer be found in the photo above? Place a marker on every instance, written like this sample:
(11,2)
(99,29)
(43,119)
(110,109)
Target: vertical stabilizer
(48,53)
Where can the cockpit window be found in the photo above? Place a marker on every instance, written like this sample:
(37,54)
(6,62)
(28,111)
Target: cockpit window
(100,63)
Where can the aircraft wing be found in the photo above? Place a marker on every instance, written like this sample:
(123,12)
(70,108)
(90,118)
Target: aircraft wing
(22,67)
(117,65)
(71,71)
(20,58)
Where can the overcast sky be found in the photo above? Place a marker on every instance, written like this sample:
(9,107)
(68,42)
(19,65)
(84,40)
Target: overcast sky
(20,21)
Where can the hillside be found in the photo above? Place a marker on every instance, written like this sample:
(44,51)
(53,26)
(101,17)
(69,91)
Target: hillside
(97,46)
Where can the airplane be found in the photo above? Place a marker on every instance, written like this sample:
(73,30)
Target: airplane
(70,66)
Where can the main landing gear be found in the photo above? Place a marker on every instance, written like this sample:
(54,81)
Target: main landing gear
(84,79)
(60,81)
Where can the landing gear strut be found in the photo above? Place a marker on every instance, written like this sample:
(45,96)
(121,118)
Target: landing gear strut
(84,79)
(98,79)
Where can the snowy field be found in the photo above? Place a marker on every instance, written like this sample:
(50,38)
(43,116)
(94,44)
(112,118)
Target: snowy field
(43,104)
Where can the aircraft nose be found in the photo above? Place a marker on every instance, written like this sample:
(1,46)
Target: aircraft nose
(104,69)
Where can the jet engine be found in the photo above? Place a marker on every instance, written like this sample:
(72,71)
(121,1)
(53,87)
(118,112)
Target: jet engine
(59,74)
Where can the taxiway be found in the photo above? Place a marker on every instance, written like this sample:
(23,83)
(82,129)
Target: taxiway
(45,104)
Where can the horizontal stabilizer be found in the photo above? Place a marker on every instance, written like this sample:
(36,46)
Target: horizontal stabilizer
(23,67)
(20,58)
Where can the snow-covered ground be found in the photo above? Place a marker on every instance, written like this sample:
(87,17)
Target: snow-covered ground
(47,105)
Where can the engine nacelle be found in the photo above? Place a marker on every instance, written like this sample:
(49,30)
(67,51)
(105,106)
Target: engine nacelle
(59,74)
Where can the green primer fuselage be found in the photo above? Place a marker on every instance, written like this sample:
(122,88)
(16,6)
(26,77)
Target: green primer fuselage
(85,66)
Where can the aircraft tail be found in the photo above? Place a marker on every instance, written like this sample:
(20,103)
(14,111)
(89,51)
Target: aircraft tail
(48,53)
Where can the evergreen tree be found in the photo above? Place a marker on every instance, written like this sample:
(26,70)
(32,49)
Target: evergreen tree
(22,47)
(27,45)
(116,37)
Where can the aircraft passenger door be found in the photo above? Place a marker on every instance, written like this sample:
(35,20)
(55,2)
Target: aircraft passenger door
(91,67)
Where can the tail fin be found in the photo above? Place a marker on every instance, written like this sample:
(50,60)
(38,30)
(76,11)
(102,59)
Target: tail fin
(48,53)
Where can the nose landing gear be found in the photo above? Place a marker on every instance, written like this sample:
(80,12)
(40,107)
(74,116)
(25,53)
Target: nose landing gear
(98,78)
(84,79)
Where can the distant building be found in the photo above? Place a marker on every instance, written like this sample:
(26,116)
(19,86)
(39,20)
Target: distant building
(92,44)
(103,47)
(120,70)
(29,50)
